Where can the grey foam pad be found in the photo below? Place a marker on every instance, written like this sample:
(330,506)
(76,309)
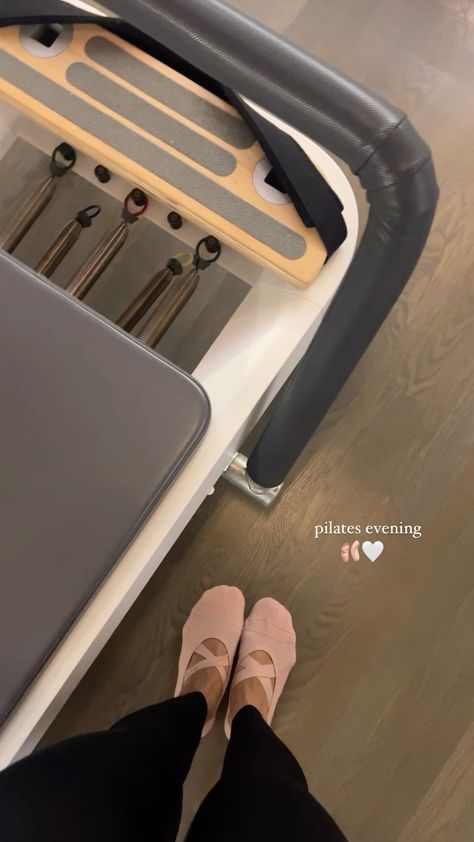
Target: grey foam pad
(214,196)
(93,429)
(229,127)
(150,119)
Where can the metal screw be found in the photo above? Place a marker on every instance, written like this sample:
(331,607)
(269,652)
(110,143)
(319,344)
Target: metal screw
(66,151)
(212,244)
(175,220)
(138,197)
(102,174)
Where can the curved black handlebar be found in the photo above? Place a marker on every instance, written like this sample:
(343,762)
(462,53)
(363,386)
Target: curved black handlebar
(374,138)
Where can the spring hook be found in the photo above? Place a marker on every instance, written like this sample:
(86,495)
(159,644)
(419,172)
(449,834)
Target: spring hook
(65,240)
(108,247)
(21,223)
(173,301)
(149,294)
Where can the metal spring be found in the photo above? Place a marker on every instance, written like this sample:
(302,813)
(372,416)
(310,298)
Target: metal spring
(97,262)
(35,204)
(168,308)
(137,309)
(65,240)
(108,247)
(28,214)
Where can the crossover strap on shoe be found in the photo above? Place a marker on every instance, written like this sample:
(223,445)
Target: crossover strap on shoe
(220,662)
(249,667)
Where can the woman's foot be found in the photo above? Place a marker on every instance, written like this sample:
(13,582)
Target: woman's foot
(209,680)
(211,635)
(250,691)
(267,654)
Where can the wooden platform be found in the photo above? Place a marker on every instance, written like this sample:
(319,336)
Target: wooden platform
(148,123)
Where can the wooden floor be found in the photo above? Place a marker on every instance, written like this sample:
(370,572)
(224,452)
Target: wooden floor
(379,709)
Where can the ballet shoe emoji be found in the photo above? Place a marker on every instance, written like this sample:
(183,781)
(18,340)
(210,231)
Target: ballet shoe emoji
(345,553)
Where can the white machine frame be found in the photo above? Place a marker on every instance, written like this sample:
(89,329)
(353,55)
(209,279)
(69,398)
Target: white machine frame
(241,372)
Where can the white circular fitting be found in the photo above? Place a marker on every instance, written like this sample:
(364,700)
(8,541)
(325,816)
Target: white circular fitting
(266,191)
(46,40)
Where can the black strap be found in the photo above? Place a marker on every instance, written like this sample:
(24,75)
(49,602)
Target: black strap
(315,201)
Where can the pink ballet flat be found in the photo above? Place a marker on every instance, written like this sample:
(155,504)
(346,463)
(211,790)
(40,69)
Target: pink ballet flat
(268,628)
(219,614)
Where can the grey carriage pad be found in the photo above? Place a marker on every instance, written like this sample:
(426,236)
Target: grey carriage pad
(93,428)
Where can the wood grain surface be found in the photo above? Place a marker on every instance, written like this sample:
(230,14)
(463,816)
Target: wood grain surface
(379,709)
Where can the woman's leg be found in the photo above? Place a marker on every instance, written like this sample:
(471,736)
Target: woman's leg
(262,794)
(124,784)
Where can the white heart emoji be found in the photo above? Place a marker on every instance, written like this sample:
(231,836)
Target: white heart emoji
(372,550)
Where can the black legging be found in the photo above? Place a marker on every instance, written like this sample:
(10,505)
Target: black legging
(126,785)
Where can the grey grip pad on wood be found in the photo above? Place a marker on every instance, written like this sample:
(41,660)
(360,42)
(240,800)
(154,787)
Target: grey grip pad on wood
(158,161)
(229,127)
(157,123)
(93,429)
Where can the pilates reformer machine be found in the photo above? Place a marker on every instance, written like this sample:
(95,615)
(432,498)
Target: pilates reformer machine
(177,245)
